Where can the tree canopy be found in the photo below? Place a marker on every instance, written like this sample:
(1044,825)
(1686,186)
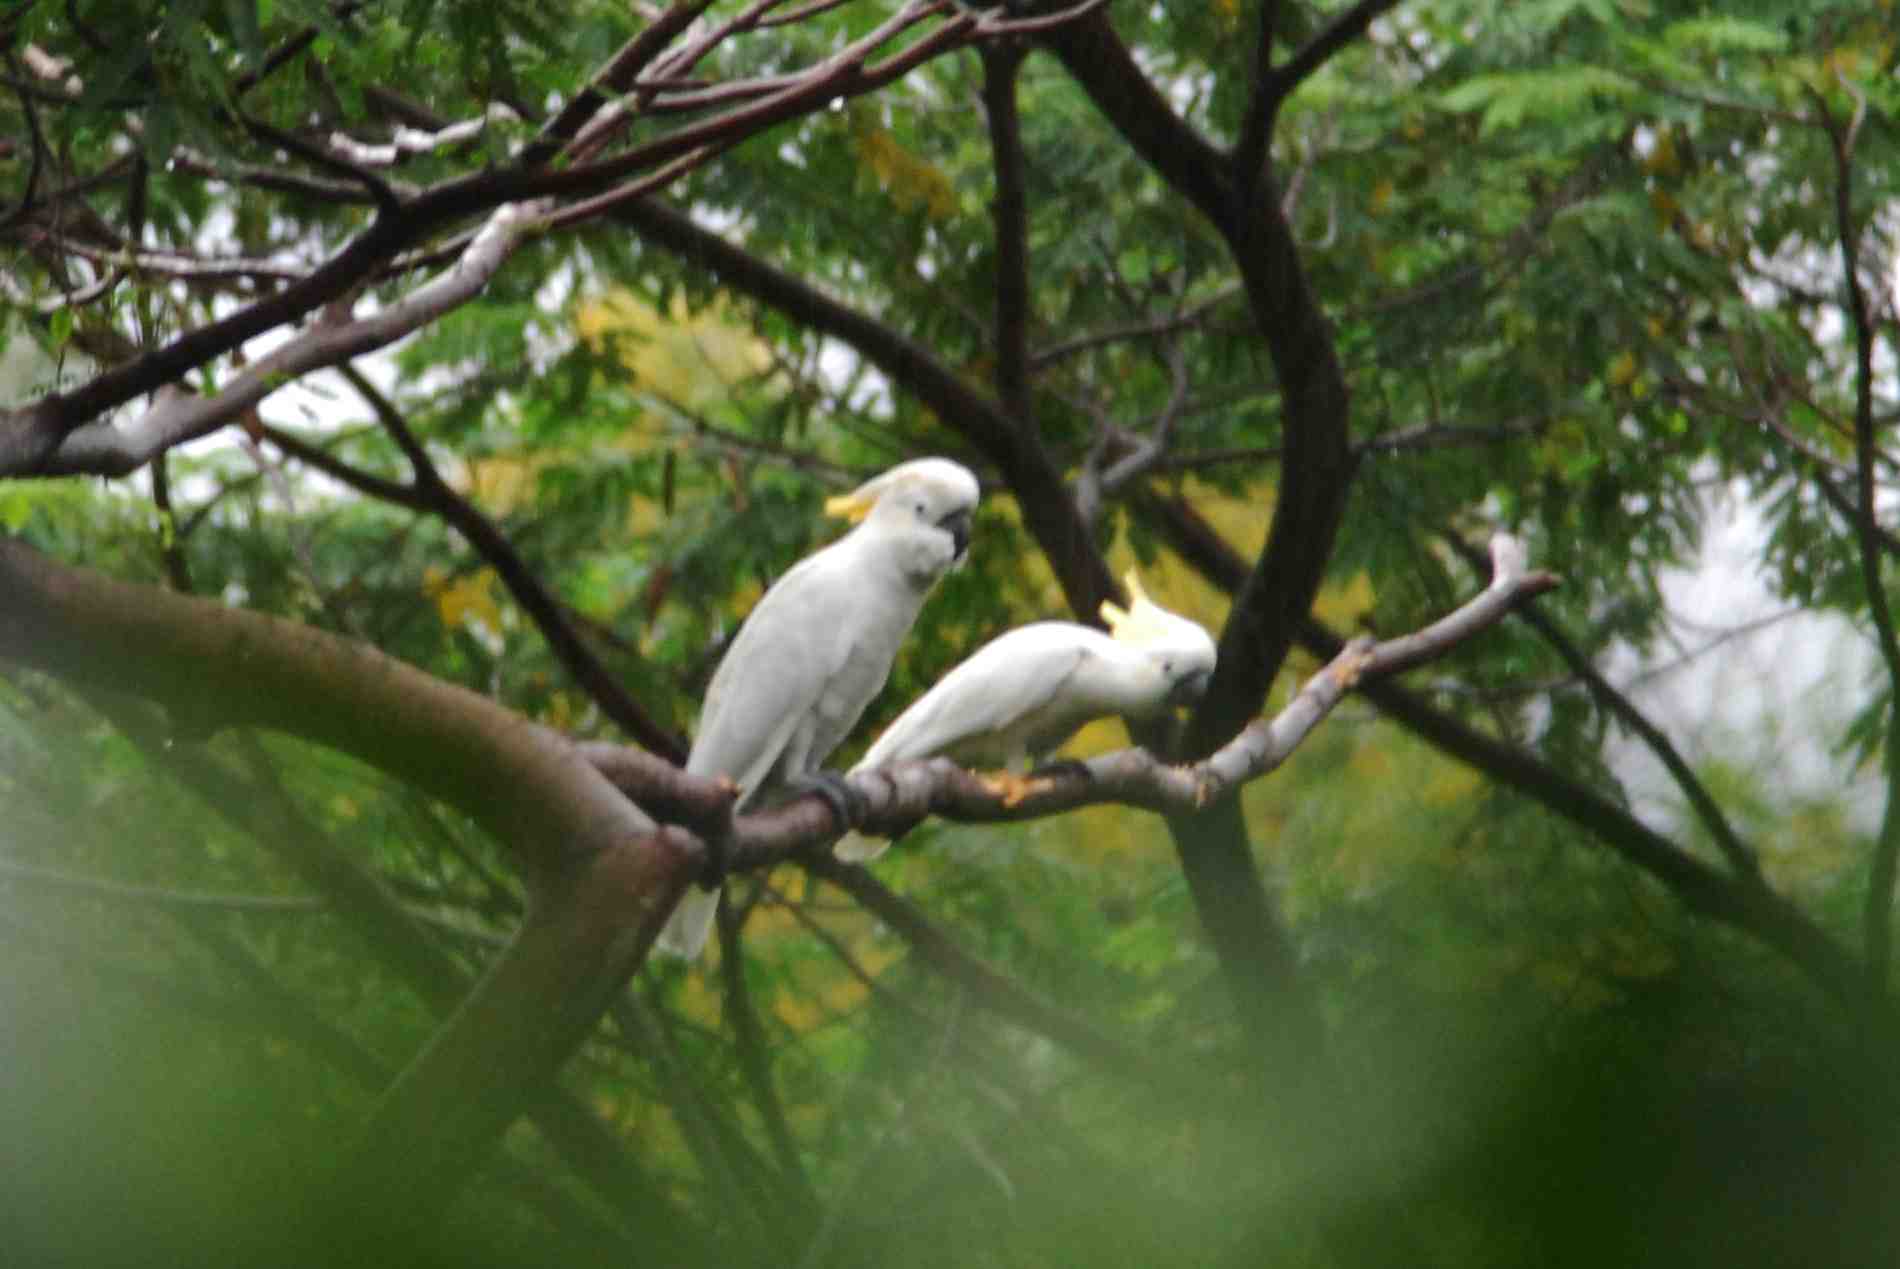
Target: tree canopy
(404,401)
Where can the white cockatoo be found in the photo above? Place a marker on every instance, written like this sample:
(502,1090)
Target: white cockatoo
(819,644)
(1023,693)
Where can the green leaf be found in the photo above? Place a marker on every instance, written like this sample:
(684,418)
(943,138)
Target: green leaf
(1723,33)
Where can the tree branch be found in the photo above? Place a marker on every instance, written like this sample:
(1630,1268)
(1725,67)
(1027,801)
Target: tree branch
(30,434)
(1263,103)
(214,667)
(1009,212)
(1878,918)
(1344,28)
(263,809)
(1756,911)
(547,613)
(1740,855)
(103,449)
(755,1062)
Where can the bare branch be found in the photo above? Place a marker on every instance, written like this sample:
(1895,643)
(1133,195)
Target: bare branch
(1186,318)
(1754,910)
(380,191)
(1740,855)
(409,142)
(620,71)
(895,797)
(431,492)
(104,449)
(29,435)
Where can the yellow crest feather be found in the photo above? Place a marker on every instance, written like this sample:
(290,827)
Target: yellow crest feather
(1142,622)
(852,506)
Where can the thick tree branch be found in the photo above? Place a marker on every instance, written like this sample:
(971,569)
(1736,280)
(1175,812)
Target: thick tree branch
(262,808)
(437,1123)
(1096,58)
(1009,213)
(214,667)
(1314,474)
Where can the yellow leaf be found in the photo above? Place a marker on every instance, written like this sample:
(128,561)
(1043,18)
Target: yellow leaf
(463,601)
(1663,158)
(910,182)
(1382,197)
(797,1013)
(500,483)
(1622,369)
(1345,605)
(692,358)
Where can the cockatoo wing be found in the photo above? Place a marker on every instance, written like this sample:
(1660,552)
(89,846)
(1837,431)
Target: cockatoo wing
(760,699)
(686,931)
(980,707)
(995,706)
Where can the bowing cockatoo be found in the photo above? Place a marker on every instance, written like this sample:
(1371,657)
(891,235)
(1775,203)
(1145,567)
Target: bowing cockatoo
(1025,692)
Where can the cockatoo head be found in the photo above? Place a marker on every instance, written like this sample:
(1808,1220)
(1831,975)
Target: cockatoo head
(1180,649)
(924,506)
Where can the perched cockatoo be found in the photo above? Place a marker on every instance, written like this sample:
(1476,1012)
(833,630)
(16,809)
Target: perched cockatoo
(1023,693)
(819,645)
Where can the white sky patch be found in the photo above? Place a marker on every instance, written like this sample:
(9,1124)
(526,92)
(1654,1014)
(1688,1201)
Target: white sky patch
(1773,701)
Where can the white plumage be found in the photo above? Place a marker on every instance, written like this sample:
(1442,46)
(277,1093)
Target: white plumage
(1025,692)
(819,644)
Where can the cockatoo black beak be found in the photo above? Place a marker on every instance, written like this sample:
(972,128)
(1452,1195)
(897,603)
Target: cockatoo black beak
(959,526)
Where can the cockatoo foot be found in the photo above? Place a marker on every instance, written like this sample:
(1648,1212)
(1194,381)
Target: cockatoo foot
(846,803)
(1010,787)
